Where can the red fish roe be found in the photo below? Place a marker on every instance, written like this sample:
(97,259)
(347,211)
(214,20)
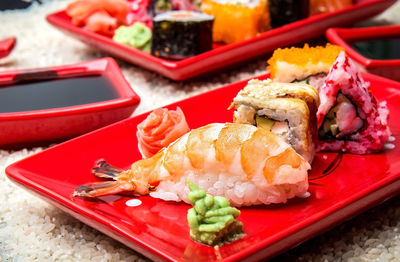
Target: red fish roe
(344,77)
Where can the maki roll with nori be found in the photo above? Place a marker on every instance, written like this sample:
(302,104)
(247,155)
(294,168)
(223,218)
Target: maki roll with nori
(181,34)
(145,10)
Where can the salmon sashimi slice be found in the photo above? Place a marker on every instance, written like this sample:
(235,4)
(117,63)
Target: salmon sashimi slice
(101,22)
(101,16)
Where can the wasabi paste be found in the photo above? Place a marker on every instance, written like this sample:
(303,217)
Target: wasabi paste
(137,35)
(212,220)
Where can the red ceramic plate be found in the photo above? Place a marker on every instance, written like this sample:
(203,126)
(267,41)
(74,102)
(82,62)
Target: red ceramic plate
(23,128)
(225,55)
(345,36)
(6,46)
(159,229)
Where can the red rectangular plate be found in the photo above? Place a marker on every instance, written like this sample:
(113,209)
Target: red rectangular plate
(344,37)
(27,128)
(159,229)
(225,55)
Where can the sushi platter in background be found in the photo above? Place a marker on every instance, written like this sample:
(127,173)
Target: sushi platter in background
(180,39)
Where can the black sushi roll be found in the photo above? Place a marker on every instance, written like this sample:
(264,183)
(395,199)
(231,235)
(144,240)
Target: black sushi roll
(181,34)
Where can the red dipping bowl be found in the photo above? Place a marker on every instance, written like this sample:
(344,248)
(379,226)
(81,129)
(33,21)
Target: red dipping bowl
(345,36)
(37,127)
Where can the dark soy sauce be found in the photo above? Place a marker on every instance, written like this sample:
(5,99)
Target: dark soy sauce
(63,92)
(382,49)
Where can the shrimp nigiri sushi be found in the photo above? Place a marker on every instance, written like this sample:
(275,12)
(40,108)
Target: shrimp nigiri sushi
(245,164)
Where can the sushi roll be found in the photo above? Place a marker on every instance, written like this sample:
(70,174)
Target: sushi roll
(307,65)
(181,34)
(349,117)
(237,20)
(288,110)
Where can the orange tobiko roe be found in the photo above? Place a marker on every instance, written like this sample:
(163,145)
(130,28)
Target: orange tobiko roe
(303,56)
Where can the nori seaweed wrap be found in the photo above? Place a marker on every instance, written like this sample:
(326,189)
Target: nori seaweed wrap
(181,34)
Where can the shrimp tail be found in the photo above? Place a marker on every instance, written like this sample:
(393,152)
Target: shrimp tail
(103,169)
(123,182)
(103,188)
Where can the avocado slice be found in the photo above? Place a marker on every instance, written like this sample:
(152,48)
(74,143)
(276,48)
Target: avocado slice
(264,122)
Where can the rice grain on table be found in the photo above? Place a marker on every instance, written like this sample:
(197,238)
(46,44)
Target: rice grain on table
(32,230)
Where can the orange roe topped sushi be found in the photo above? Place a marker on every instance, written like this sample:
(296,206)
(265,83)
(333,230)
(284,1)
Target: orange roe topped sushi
(237,21)
(291,64)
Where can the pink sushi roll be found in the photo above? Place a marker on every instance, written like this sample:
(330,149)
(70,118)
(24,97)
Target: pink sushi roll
(349,117)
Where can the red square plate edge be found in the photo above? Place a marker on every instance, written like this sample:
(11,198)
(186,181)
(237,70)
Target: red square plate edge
(159,229)
(21,129)
(385,68)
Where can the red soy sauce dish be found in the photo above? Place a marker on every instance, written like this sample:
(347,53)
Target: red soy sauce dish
(45,105)
(375,49)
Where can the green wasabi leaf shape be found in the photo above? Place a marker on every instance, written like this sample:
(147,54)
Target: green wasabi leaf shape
(212,220)
(137,35)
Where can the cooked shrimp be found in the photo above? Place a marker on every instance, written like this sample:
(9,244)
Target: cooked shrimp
(246,164)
